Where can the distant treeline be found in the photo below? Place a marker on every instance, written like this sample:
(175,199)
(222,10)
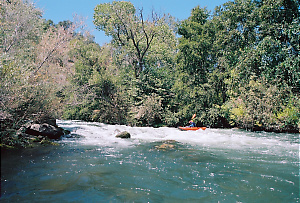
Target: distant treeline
(238,66)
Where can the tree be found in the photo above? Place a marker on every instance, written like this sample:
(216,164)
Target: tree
(128,29)
(27,86)
(19,34)
(264,63)
(245,47)
(195,45)
(194,63)
(54,42)
(94,92)
(18,22)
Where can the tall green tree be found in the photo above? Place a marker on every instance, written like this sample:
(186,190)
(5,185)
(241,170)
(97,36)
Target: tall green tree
(194,63)
(129,29)
(147,46)
(195,45)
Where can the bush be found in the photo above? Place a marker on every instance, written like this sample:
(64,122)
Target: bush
(150,113)
(170,118)
(263,107)
(290,115)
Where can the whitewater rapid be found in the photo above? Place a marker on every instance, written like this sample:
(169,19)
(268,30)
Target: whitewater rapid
(99,134)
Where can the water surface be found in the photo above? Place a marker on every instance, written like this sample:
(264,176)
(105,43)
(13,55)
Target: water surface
(92,165)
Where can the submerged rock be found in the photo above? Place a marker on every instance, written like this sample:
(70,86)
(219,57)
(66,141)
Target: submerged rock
(168,144)
(165,146)
(123,134)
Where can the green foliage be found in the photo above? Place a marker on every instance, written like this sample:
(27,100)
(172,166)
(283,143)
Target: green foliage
(132,34)
(290,114)
(150,112)
(263,107)
(109,17)
(24,95)
(32,68)
(94,94)
(245,60)
(238,66)
(194,45)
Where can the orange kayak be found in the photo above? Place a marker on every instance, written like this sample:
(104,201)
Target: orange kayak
(192,128)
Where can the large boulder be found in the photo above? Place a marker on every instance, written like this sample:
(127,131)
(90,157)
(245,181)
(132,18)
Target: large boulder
(45,130)
(123,134)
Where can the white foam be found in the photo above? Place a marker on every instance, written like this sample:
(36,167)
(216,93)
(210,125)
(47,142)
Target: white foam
(104,135)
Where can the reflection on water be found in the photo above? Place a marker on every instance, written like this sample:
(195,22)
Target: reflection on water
(202,166)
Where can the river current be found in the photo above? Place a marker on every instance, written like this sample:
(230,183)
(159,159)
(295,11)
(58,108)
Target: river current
(154,165)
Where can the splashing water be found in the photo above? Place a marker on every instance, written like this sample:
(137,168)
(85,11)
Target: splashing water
(156,165)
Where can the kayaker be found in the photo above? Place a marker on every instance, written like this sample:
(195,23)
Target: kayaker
(192,124)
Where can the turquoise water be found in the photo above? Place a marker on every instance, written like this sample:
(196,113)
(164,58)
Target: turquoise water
(214,165)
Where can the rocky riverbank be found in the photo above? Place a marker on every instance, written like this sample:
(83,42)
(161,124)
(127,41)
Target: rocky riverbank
(31,133)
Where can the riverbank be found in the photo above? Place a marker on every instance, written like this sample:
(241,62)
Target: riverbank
(30,134)
(274,128)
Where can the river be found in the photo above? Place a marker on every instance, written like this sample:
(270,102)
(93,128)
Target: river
(215,165)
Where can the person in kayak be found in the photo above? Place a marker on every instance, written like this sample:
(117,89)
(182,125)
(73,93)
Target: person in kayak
(192,124)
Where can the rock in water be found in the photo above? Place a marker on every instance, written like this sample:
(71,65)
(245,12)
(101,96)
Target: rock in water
(123,134)
(165,146)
